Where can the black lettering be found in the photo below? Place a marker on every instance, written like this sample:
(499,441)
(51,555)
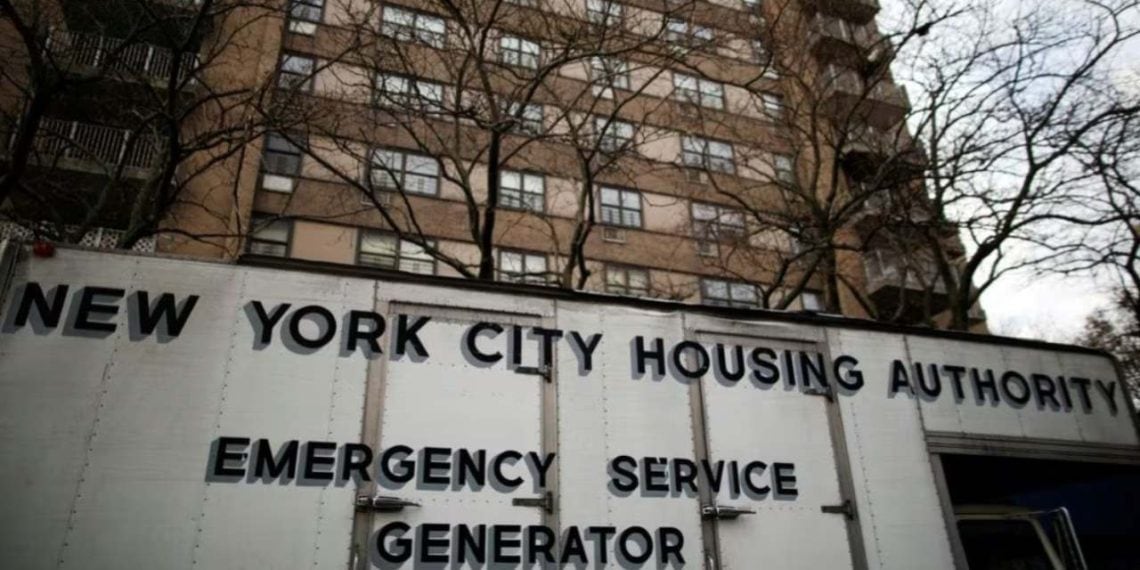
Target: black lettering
(624,476)
(672,542)
(853,379)
(737,370)
(222,455)
(586,348)
(535,546)
(328,331)
(640,355)
(49,313)
(784,479)
(1045,390)
(956,373)
(316,460)
(650,475)
(1022,396)
(408,468)
(509,456)
(268,320)
(410,334)
(504,537)
(401,547)
(548,337)
(436,458)
(166,311)
(1083,391)
(981,386)
(572,547)
(627,536)
(541,465)
(684,475)
(599,534)
(713,477)
(1108,390)
(765,371)
(473,349)
(430,544)
(755,468)
(88,306)
(900,378)
(357,458)
(273,466)
(370,335)
(471,466)
(810,370)
(475,542)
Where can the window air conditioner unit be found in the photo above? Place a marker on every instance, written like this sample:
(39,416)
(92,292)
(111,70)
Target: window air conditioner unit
(382,197)
(697,176)
(613,235)
(706,248)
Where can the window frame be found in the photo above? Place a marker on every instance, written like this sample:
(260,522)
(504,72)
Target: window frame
(524,277)
(524,124)
(401,186)
(784,175)
(299,81)
(696,95)
(251,235)
(608,73)
(600,13)
(522,204)
(624,288)
(715,229)
(706,160)
(304,25)
(775,107)
(685,32)
(275,175)
(620,207)
(415,31)
(522,57)
(411,96)
(399,257)
(729,300)
(609,139)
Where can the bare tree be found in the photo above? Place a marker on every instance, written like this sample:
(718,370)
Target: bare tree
(122,114)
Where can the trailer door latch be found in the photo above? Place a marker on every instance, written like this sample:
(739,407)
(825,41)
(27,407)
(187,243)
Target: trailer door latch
(541,370)
(382,503)
(846,508)
(545,502)
(727,512)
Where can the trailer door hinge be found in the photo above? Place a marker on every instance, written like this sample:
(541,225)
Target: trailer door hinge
(545,502)
(728,512)
(382,503)
(846,508)
(542,370)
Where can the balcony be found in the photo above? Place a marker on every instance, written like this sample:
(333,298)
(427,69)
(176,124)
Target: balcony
(93,54)
(98,238)
(858,11)
(98,149)
(836,39)
(905,287)
(869,152)
(880,104)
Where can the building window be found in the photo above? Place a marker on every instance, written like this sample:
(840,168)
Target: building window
(698,91)
(811,301)
(406,25)
(522,267)
(697,152)
(621,207)
(408,92)
(761,56)
(522,190)
(378,249)
(525,3)
(518,52)
(404,171)
(528,118)
(785,168)
(717,223)
(729,294)
(613,135)
(604,12)
(304,15)
(631,281)
(773,106)
(682,32)
(607,74)
(280,163)
(269,236)
(296,72)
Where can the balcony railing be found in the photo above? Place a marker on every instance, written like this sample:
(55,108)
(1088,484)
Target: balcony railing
(94,52)
(883,102)
(885,269)
(100,238)
(89,147)
(860,11)
(838,29)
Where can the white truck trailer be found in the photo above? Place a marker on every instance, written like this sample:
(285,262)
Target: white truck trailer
(167,413)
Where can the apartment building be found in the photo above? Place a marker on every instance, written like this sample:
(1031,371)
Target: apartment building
(703,151)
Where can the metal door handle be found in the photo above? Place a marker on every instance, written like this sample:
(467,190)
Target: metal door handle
(545,502)
(724,511)
(382,503)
